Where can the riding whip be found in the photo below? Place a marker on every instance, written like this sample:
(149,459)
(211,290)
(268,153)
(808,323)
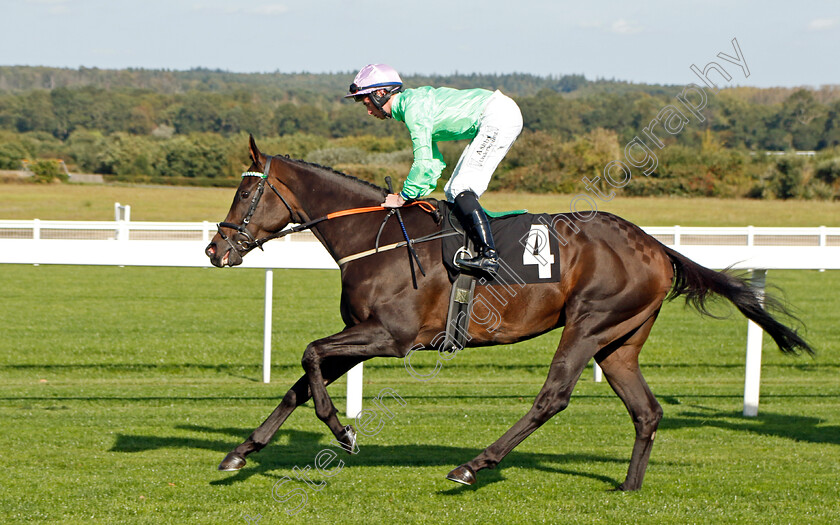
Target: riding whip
(412,253)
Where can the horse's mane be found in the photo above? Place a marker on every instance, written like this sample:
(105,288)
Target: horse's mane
(347,177)
(336,172)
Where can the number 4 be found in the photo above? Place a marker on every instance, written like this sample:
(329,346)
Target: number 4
(538,250)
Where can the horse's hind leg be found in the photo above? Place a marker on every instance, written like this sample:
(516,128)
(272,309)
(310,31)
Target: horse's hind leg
(569,361)
(296,396)
(621,368)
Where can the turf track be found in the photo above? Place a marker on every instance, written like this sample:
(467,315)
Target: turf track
(122,388)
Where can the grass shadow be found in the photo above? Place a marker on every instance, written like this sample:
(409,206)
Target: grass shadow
(299,448)
(798,428)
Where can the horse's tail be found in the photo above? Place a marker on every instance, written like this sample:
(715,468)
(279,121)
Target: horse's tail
(697,283)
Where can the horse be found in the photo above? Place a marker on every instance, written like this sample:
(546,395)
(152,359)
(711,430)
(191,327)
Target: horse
(614,282)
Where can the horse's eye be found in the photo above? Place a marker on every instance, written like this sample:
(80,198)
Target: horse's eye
(244,194)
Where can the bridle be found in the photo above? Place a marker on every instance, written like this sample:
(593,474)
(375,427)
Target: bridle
(251,241)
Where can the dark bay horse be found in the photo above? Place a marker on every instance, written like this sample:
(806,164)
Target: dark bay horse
(615,279)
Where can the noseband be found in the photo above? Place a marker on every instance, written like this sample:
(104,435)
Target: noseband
(250,241)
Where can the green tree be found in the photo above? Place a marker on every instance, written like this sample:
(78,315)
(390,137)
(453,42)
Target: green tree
(34,112)
(195,156)
(293,118)
(84,107)
(124,155)
(804,119)
(85,148)
(11,153)
(786,178)
(551,112)
(198,112)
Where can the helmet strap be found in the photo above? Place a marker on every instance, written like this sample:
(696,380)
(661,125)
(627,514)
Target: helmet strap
(380,101)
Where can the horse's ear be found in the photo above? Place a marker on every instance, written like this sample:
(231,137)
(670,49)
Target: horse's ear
(255,151)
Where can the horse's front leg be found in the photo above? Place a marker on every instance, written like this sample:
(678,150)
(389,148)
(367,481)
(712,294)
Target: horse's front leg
(296,396)
(359,342)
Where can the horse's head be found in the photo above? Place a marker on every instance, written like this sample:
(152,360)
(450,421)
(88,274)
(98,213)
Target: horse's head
(255,214)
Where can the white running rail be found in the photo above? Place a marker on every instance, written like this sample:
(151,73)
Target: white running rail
(128,243)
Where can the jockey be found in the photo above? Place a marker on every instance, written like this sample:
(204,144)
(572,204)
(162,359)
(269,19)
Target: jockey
(490,119)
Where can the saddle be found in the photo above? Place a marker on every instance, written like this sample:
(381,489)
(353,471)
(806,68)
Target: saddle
(528,254)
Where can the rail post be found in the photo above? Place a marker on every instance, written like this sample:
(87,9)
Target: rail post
(752,374)
(269,296)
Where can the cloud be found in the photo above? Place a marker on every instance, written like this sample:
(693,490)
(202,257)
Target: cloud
(619,27)
(269,10)
(590,25)
(821,24)
(53,7)
(623,27)
(262,9)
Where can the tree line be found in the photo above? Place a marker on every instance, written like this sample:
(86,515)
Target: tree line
(189,127)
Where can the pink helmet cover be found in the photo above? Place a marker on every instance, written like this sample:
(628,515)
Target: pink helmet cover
(372,77)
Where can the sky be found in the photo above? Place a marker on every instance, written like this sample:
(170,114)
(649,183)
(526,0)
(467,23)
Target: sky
(782,43)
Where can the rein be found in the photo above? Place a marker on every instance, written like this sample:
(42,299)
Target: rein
(394,246)
(252,242)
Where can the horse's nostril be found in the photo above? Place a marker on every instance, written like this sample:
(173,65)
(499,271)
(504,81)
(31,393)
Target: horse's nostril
(210,251)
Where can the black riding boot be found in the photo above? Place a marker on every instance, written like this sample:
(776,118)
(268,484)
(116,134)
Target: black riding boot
(477,226)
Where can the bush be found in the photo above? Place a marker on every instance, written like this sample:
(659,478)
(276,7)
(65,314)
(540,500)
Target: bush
(336,156)
(201,155)
(48,171)
(10,156)
(759,191)
(405,156)
(786,178)
(819,190)
(373,173)
(85,148)
(119,154)
(828,170)
(372,143)
(296,146)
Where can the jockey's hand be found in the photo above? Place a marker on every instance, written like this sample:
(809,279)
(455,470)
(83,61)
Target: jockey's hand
(393,200)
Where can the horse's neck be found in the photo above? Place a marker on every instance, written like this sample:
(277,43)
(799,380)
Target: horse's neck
(320,191)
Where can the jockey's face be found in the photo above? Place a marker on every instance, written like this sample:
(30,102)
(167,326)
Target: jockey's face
(372,109)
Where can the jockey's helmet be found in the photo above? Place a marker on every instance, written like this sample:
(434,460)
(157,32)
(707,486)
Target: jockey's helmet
(372,78)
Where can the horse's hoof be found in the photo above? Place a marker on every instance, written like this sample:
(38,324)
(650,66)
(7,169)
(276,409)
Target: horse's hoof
(232,461)
(462,474)
(626,487)
(350,436)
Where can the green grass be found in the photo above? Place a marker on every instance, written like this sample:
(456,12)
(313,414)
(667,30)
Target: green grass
(122,388)
(150,203)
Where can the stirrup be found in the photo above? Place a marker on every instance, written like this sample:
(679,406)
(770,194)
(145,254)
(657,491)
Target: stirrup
(486,262)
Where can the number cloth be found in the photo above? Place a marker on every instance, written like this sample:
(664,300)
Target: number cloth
(528,253)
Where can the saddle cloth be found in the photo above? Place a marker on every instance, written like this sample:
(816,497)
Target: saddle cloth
(528,253)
